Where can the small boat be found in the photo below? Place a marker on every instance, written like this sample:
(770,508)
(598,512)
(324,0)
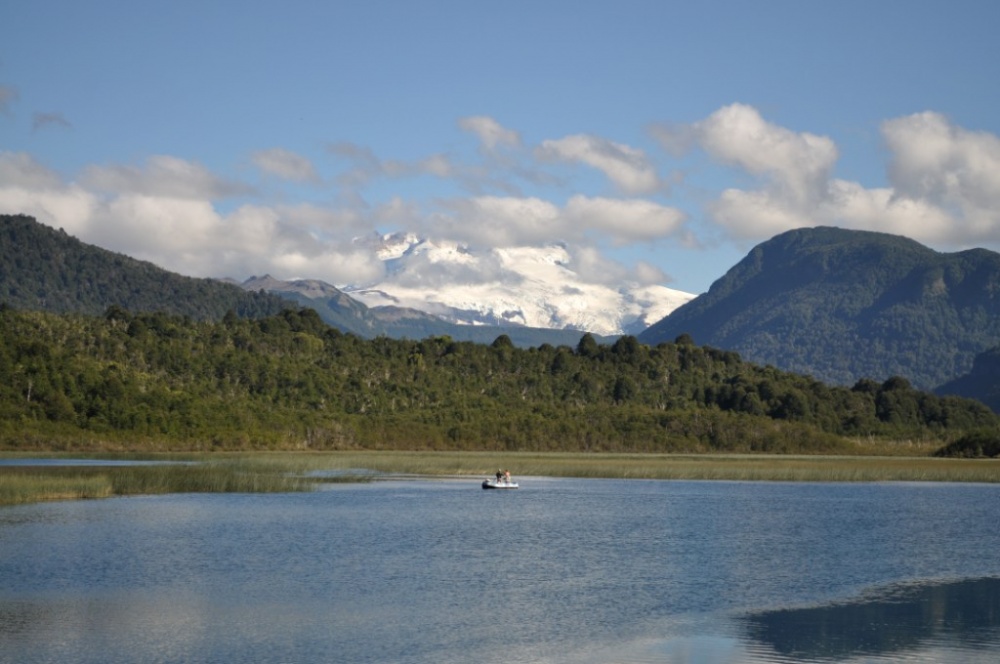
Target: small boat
(499,484)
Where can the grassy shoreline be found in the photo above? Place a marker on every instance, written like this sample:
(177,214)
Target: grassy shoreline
(290,471)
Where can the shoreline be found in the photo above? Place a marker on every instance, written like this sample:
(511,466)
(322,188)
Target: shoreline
(126,474)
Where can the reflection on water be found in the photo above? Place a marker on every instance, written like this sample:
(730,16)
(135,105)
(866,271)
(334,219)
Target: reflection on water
(893,621)
(560,571)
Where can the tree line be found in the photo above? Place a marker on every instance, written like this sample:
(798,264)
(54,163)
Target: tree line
(290,381)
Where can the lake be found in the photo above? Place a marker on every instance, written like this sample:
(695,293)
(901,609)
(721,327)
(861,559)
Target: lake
(560,570)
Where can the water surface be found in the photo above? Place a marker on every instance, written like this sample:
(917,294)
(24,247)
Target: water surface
(557,571)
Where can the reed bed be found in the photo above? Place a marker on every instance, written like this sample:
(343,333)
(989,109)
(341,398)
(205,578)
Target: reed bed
(26,484)
(17,489)
(773,468)
(299,471)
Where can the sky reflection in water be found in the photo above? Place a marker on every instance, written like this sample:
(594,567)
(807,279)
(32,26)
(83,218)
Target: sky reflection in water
(558,571)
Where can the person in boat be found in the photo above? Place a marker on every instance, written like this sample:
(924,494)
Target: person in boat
(506,476)
(499,475)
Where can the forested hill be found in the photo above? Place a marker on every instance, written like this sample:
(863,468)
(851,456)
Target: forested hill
(843,305)
(152,381)
(48,270)
(982,382)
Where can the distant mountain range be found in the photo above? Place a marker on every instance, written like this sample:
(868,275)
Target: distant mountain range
(342,311)
(45,269)
(835,304)
(843,305)
(524,286)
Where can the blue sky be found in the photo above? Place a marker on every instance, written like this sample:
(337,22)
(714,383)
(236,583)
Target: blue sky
(659,140)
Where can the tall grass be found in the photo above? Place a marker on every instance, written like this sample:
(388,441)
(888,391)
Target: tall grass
(665,466)
(24,484)
(17,489)
(298,471)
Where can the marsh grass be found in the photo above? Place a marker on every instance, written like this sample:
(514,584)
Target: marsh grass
(774,468)
(299,471)
(19,488)
(26,484)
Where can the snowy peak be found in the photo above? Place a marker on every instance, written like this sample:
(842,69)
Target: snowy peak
(524,286)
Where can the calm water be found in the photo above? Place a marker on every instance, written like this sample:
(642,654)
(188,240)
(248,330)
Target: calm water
(557,571)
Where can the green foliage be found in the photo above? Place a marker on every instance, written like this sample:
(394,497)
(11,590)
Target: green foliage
(975,444)
(981,383)
(290,381)
(45,269)
(843,305)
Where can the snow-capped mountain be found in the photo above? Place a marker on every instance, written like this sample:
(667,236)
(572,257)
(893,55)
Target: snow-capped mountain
(530,286)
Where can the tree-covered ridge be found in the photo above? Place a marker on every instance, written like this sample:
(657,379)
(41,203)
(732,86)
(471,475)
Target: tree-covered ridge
(48,270)
(841,305)
(294,382)
(982,382)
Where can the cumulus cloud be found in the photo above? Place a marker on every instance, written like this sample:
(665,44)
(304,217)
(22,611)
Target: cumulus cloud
(46,120)
(490,132)
(798,164)
(648,275)
(495,221)
(593,267)
(163,175)
(628,168)
(937,163)
(285,164)
(171,227)
(625,221)
(945,180)
(28,187)
(19,169)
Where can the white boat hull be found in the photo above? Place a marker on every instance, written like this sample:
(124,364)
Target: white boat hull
(493,484)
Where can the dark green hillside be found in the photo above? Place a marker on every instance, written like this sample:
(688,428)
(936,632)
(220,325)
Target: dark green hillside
(152,381)
(982,382)
(843,305)
(47,270)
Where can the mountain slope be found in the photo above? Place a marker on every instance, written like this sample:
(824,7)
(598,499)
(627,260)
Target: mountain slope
(345,313)
(842,305)
(45,269)
(526,286)
(981,383)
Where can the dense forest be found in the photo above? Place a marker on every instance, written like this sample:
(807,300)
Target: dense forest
(156,381)
(46,269)
(841,305)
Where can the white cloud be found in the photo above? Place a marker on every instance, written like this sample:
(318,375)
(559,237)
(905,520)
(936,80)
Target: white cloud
(648,275)
(285,164)
(19,169)
(945,180)
(186,234)
(498,221)
(28,187)
(163,176)
(493,221)
(938,163)
(625,221)
(627,167)
(798,164)
(593,267)
(490,132)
